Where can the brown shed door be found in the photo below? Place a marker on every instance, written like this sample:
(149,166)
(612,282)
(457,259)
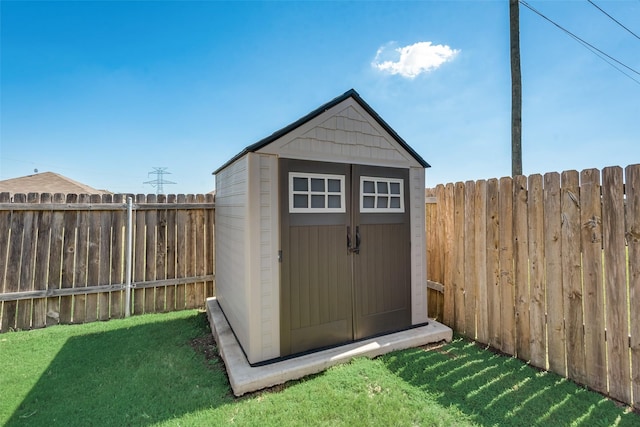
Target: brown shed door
(345,267)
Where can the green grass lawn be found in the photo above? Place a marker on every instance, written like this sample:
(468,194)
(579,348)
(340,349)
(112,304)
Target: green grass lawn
(153,370)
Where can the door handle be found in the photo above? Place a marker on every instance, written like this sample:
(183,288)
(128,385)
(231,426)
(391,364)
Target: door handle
(356,250)
(348,238)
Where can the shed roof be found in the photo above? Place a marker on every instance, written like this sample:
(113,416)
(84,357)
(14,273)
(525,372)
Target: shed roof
(47,182)
(351,93)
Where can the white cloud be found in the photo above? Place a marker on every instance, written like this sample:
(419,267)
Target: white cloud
(412,60)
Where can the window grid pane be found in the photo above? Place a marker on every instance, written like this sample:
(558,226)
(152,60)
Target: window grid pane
(311,192)
(381,195)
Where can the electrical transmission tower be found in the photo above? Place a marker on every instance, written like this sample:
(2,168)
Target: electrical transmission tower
(159,182)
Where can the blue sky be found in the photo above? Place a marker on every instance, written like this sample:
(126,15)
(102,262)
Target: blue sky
(102,92)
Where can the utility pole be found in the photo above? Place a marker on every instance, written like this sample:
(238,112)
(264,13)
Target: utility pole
(516,88)
(159,182)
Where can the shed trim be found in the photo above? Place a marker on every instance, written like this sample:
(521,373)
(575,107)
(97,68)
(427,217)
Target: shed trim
(351,93)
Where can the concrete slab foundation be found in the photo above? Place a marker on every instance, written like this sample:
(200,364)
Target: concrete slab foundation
(244,378)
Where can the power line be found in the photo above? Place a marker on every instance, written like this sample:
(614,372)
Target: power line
(613,19)
(587,45)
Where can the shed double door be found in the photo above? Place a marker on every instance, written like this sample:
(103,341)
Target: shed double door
(345,257)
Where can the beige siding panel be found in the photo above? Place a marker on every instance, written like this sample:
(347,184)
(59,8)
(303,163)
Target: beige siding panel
(345,133)
(418,248)
(269,268)
(231,219)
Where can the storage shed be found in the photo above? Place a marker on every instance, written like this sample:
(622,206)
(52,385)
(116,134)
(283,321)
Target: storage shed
(320,236)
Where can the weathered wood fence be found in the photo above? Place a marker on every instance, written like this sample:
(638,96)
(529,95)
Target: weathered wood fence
(545,268)
(63,259)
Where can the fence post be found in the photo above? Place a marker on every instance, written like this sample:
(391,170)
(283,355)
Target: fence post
(127,299)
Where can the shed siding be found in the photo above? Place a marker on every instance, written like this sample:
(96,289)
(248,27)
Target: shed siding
(343,134)
(418,248)
(269,269)
(231,217)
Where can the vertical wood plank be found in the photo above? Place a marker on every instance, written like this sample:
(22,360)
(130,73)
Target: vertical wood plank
(55,261)
(41,272)
(432,252)
(480,216)
(170,293)
(507,303)
(151,247)
(521,267)
(181,253)
(161,255)
(82,261)
(93,259)
(104,267)
(572,276)
(617,331)
(470,279)
(493,264)
(12,275)
(5,224)
(210,246)
(553,268)
(139,255)
(445,220)
(190,288)
(632,174)
(23,319)
(591,242)
(199,251)
(459,258)
(118,254)
(537,285)
(68,259)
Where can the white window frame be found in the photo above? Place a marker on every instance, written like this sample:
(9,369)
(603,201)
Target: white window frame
(309,193)
(375,194)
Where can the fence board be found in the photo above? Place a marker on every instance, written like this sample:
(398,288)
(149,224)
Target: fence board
(591,242)
(29,241)
(93,260)
(199,260)
(480,216)
(81,262)
(633,240)
(469,264)
(104,266)
(5,222)
(161,254)
(553,268)
(521,267)
(118,221)
(458,258)
(448,315)
(151,222)
(55,261)
(40,275)
(571,275)
(170,292)
(210,249)
(507,292)
(14,266)
(139,257)
(493,264)
(617,331)
(432,252)
(181,253)
(537,284)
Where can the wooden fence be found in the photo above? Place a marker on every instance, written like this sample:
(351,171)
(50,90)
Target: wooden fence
(63,259)
(545,268)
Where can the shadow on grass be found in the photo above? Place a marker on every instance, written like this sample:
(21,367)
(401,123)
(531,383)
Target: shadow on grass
(139,376)
(499,390)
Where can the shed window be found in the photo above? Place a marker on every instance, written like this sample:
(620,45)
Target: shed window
(380,195)
(316,193)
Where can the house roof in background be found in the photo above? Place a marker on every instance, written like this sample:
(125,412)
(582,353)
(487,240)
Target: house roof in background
(47,182)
